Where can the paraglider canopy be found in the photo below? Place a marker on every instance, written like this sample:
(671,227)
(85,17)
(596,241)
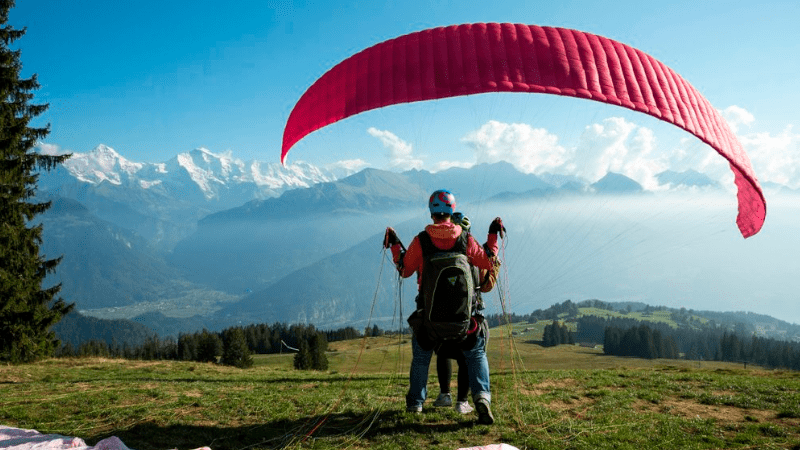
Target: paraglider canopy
(503,57)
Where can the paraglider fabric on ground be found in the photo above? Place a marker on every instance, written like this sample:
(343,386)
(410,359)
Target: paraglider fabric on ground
(22,439)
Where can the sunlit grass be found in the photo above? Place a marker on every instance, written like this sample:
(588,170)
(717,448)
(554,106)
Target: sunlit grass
(565,397)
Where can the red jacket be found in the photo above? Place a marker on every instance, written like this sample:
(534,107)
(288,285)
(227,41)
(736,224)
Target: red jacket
(444,235)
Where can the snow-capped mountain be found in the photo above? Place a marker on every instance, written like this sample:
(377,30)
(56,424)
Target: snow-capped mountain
(211,173)
(163,201)
(221,232)
(102,164)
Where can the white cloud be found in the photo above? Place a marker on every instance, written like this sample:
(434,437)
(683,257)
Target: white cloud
(775,158)
(347,167)
(444,165)
(531,150)
(691,153)
(736,117)
(616,145)
(50,149)
(400,152)
(349,164)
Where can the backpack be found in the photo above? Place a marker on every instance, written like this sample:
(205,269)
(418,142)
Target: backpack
(447,290)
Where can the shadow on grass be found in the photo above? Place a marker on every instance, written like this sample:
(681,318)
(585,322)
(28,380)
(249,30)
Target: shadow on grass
(336,429)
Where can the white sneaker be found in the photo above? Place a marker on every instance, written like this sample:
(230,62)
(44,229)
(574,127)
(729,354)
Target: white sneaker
(463,407)
(443,400)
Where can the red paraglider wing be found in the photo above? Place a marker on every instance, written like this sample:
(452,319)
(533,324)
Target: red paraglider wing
(478,58)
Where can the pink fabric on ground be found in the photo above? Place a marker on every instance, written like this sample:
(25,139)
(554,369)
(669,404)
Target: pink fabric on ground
(21,439)
(491,447)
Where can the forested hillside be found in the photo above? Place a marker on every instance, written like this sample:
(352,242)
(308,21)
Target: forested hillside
(639,330)
(623,329)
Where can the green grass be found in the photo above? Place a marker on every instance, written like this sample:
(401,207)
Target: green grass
(556,398)
(655,316)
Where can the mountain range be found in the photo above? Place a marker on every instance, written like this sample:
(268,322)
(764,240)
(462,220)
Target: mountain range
(207,240)
(163,201)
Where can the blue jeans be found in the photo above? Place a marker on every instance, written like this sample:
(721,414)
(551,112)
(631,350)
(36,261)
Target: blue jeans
(477,366)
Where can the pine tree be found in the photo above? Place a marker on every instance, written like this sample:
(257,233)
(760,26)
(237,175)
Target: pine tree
(547,335)
(234,349)
(209,345)
(563,334)
(27,310)
(611,341)
(187,347)
(318,344)
(302,359)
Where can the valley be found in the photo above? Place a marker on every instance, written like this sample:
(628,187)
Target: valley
(303,246)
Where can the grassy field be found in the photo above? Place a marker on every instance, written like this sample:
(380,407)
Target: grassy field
(562,397)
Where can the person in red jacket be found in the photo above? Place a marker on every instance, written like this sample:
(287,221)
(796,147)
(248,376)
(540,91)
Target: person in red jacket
(445,235)
(485,281)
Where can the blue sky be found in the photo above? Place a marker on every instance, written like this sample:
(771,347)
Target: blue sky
(156,78)
(153,79)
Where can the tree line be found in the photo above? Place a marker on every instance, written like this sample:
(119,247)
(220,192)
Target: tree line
(557,333)
(640,341)
(653,341)
(627,336)
(232,346)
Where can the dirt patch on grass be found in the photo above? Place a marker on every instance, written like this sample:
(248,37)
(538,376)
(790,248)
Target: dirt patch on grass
(11,380)
(725,415)
(724,393)
(561,383)
(551,385)
(548,386)
(80,387)
(574,407)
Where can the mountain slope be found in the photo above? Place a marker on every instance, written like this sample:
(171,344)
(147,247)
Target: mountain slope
(75,329)
(614,183)
(479,182)
(266,242)
(163,201)
(103,265)
(336,291)
(688,178)
(364,192)
(255,245)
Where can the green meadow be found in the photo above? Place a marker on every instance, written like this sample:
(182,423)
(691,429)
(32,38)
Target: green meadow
(566,397)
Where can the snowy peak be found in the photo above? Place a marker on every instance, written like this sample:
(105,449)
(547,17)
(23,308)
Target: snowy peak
(101,164)
(207,170)
(297,174)
(213,172)
(219,166)
(217,177)
(162,201)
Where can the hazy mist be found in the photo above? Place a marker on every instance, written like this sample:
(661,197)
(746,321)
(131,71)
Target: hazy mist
(676,250)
